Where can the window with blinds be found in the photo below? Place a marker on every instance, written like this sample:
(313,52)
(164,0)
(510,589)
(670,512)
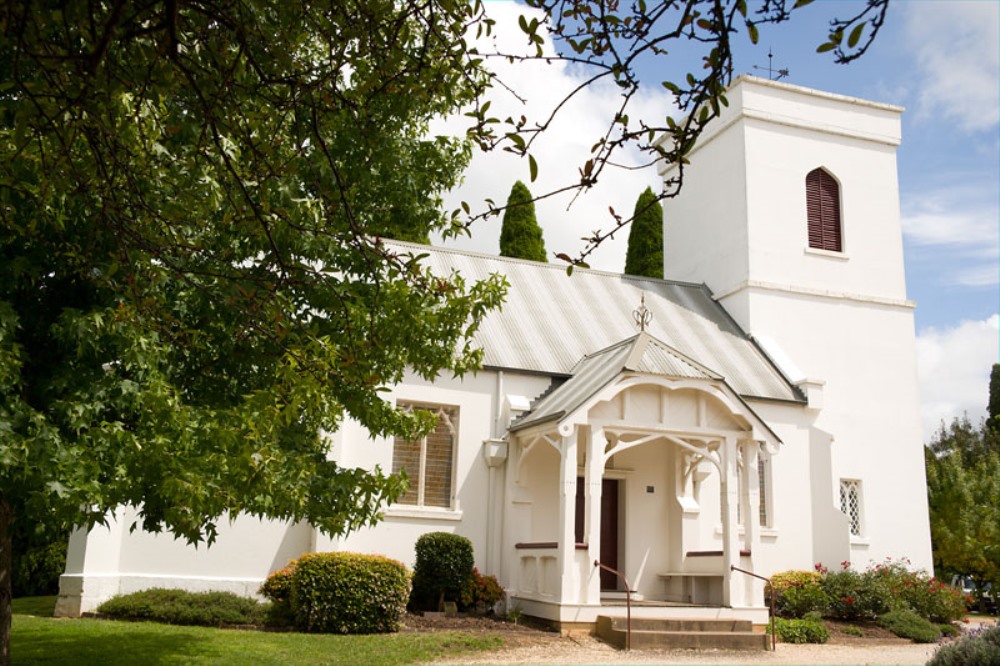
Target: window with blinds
(428,461)
(823,210)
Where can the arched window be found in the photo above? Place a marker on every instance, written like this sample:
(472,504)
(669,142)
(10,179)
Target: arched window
(823,209)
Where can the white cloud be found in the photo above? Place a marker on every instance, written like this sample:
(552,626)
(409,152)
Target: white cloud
(956,48)
(560,151)
(960,224)
(954,368)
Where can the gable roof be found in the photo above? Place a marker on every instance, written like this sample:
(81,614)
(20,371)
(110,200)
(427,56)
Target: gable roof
(551,320)
(641,353)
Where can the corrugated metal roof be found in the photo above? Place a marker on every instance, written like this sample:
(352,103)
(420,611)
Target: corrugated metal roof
(552,320)
(640,353)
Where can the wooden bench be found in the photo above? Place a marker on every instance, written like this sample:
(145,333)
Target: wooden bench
(695,587)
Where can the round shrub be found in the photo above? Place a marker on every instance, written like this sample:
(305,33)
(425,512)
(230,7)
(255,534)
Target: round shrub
(800,631)
(907,624)
(797,593)
(981,647)
(277,588)
(210,609)
(443,566)
(349,593)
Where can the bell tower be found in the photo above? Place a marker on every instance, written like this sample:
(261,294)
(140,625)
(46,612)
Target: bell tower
(789,213)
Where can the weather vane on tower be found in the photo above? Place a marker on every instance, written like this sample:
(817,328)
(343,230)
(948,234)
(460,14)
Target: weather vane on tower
(773,74)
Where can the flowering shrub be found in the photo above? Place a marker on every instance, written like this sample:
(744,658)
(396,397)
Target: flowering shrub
(888,586)
(915,590)
(852,595)
(797,593)
(482,592)
(978,647)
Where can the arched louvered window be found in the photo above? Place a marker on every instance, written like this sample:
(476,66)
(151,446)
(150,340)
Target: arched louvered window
(823,208)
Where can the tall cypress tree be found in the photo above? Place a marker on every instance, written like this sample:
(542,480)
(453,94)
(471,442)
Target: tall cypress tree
(645,238)
(993,417)
(520,236)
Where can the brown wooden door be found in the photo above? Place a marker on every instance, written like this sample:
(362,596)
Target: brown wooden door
(609,533)
(609,527)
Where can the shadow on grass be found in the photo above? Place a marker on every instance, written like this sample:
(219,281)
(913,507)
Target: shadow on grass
(37,606)
(38,640)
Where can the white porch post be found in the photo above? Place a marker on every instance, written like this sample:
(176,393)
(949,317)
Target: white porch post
(730,542)
(569,588)
(593,477)
(751,520)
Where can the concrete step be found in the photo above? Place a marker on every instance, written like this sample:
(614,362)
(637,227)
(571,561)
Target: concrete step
(691,633)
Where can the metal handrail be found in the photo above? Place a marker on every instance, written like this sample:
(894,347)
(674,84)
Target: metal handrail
(774,639)
(628,603)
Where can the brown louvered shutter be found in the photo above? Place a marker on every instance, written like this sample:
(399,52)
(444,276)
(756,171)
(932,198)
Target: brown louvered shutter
(823,211)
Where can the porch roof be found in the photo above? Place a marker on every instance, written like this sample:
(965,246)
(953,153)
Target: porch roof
(642,353)
(551,320)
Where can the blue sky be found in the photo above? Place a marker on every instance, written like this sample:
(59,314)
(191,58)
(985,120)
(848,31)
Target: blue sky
(938,59)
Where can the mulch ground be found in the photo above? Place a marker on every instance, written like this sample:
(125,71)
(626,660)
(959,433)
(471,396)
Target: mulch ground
(522,633)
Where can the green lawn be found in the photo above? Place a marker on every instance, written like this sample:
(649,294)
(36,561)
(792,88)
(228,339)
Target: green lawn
(44,640)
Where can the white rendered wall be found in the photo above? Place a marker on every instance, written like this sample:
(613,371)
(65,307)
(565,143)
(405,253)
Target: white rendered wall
(111,560)
(842,318)
(479,399)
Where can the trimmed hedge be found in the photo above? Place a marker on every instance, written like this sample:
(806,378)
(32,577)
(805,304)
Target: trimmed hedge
(982,647)
(907,624)
(208,609)
(349,593)
(443,567)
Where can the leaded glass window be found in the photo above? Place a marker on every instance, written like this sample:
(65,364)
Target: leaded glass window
(850,503)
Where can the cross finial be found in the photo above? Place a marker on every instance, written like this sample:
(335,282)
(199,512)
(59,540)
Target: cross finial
(773,74)
(641,315)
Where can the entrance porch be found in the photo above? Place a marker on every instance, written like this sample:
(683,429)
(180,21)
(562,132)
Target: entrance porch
(655,475)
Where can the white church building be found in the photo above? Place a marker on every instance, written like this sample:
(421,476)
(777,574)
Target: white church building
(757,409)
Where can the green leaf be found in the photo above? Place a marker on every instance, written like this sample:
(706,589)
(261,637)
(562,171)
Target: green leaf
(855,36)
(801,3)
(532,167)
(826,46)
(752,30)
